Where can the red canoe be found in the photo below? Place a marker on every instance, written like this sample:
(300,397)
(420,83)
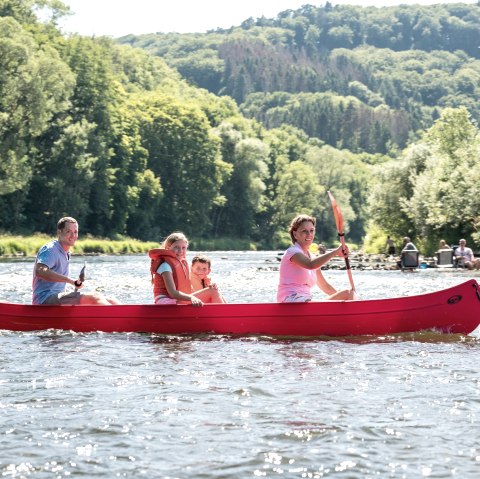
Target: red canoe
(453,310)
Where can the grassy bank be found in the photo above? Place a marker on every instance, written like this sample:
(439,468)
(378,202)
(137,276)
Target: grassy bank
(29,245)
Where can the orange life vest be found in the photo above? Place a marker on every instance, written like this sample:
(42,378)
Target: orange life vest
(180,272)
(198,283)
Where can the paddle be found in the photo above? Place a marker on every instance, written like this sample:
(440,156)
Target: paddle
(81,277)
(339,222)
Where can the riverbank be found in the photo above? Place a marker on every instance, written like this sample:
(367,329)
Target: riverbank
(364,261)
(27,246)
(374,262)
(24,247)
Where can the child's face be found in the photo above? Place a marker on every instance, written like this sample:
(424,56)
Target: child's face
(202,270)
(179,248)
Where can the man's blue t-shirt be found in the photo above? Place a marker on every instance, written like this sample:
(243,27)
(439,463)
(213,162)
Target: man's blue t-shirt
(58,260)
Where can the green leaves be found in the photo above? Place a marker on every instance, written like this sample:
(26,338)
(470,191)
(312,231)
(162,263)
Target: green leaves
(115,137)
(432,192)
(34,85)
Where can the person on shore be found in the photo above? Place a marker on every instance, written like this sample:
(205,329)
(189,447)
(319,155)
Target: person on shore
(200,274)
(408,261)
(171,275)
(464,256)
(51,272)
(443,246)
(444,254)
(300,270)
(390,246)
(408,245)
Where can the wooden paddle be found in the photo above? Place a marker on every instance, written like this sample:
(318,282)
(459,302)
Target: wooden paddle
(81,277)
(339,222)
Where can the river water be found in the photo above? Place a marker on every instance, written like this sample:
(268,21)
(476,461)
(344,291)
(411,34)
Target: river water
(140,405)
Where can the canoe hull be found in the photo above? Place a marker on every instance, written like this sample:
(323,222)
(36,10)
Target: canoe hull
(453,310)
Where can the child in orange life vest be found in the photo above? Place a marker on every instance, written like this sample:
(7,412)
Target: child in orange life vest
(171,275)
(199,274)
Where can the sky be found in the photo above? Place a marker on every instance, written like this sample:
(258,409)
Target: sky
(116,18)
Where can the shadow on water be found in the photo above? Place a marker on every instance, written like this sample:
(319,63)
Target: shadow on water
(58,337)
(420,337)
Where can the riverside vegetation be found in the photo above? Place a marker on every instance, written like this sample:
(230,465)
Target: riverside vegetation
(29,246)
(378,105)
(19,246)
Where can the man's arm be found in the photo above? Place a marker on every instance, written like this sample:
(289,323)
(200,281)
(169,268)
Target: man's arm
(44,272)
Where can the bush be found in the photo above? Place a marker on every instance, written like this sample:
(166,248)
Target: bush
(376,240)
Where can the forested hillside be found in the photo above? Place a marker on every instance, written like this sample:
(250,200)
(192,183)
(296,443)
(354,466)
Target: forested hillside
(113,136)
(365,79)
(133,143)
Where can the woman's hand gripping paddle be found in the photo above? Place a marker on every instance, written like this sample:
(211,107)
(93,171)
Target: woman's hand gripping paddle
(81,277)
(339,222)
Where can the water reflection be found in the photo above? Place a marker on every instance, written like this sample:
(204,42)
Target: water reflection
(172,347)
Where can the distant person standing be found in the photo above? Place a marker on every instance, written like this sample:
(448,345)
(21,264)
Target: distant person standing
(51,272)
(390,246)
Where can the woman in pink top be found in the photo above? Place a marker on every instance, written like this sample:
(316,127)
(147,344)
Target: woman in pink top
(299,271)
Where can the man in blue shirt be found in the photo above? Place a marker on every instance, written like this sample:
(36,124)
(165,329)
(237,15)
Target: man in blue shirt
(52,270)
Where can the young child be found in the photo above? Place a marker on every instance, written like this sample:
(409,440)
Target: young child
(199,274)
(171,275)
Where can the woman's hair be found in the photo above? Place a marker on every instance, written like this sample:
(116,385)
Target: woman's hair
(297,222)
(173,238)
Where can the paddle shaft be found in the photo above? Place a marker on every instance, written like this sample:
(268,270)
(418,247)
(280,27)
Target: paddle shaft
(339,223)
(347,261)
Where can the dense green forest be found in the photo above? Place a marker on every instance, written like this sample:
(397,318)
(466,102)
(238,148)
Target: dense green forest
(358,78)
(232,132)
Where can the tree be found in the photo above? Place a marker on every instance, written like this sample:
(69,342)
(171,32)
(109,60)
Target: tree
(452,131)
(147,194)
(388,207)
(64,181)
(95,100)
(245,189)
(348,178)
(431,191)
(445,196)
(185,156)
(34,85)
(298,192)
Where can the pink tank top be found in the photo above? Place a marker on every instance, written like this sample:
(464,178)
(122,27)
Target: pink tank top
(294,278)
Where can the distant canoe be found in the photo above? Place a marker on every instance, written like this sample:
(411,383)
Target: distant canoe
(453,310)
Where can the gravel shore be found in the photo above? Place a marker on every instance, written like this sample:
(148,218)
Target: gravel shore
(364,261)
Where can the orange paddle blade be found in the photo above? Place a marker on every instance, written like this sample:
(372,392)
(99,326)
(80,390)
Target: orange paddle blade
(339,222)
(337,214)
